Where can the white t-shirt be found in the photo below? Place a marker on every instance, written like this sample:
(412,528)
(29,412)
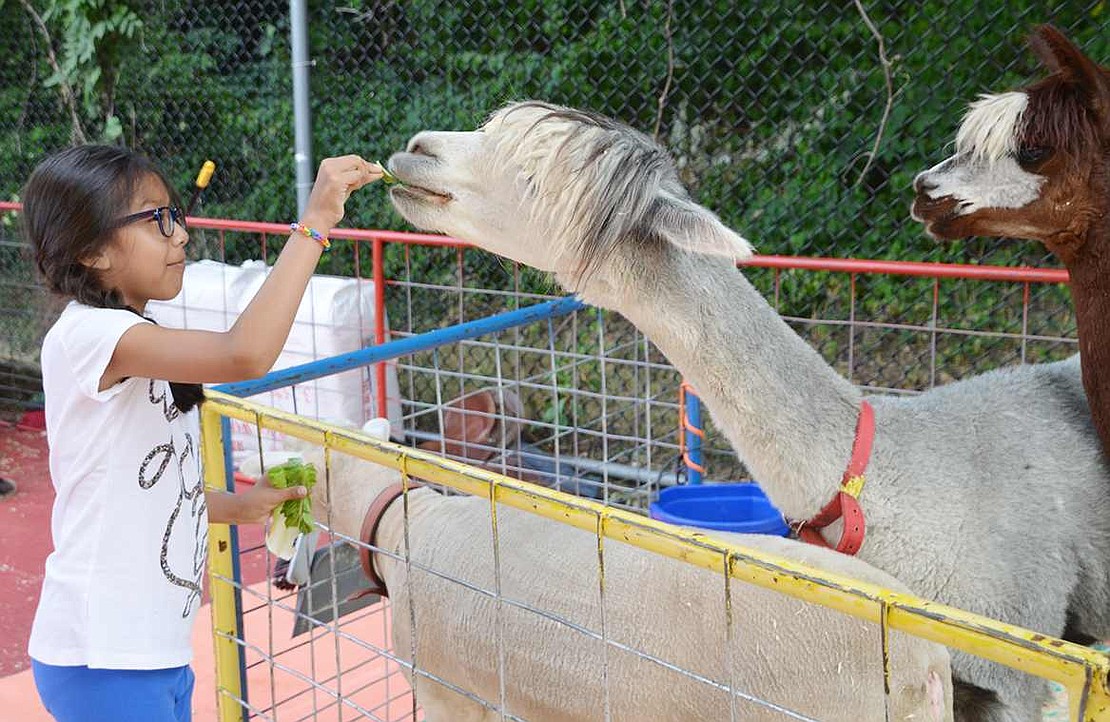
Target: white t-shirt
(130,523)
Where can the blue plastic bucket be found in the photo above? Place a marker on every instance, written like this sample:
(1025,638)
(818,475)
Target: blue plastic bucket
(742,508)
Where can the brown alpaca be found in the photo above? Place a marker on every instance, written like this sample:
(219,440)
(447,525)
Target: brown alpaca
(1032,164)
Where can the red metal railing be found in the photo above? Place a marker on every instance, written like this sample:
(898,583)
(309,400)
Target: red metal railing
(1023,274)
(853,266)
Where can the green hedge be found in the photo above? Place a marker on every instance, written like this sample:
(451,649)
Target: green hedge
(770,109)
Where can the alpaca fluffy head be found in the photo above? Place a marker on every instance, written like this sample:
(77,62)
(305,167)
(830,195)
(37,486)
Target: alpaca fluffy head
(555,188)
(1029,163)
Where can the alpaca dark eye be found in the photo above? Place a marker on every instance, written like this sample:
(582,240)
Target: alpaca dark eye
(1031,155)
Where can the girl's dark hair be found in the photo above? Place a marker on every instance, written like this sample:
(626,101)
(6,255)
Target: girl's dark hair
(72,204)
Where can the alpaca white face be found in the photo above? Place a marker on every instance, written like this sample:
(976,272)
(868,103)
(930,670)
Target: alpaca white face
(448,184)
(554,188)
(476,186)
(990,172)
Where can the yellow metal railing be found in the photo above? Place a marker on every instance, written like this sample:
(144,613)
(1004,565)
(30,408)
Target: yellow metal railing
(225,621)
(1083,672)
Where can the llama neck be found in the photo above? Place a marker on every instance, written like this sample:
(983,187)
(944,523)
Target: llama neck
(355,484)
(789,415)
(422,502)
(1090,290)
(358,487)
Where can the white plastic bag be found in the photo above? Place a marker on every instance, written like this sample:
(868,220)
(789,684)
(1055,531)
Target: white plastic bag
(336,316)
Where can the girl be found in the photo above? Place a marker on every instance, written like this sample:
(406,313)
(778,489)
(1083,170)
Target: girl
(112,634)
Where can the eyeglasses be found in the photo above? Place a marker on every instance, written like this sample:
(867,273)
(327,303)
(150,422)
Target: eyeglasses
(167,217)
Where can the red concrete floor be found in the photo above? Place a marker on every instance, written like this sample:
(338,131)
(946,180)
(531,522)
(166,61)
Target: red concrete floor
(24,538)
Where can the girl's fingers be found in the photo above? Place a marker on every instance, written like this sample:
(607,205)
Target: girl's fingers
(295,492)
(336,179)
(353,163)
(356,179)
(345,162)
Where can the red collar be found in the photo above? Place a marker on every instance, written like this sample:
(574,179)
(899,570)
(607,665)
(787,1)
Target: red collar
(846,502)
(370,529)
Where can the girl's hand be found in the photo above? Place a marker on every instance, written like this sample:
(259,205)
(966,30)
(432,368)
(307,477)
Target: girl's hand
(252,506)
(335,180)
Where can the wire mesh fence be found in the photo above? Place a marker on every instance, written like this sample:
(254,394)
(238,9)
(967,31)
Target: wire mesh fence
(524,604)
(800,124)
(580,400)
(591,382)
(26,312)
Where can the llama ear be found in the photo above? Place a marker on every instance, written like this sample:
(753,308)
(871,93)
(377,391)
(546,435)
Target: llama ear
(696,229)
(1061,55)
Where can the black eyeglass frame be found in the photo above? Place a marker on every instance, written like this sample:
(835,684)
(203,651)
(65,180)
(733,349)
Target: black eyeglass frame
(163,214)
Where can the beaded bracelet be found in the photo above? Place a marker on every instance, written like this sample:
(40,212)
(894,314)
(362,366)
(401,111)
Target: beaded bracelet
(311,233)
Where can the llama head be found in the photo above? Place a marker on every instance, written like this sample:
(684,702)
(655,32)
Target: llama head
(1030,163)
(554,188)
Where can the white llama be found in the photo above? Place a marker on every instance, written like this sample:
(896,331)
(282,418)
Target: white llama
(784,655)
(989,494)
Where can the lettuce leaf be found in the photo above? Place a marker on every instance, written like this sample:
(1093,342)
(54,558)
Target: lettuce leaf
(281,539)
(294,516)
(387,177)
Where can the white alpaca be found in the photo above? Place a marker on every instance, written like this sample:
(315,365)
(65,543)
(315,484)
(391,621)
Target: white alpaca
(796,656)
(989,494)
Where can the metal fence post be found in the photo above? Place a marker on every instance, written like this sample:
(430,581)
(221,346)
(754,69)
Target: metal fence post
(692,433)
(302,119)
(223,564)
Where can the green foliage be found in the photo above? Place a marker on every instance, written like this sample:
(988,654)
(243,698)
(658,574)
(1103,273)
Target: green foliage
(770,110)
(92,35)
(297,512)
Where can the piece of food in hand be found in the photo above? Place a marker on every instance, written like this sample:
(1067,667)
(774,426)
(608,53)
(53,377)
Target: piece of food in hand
(387,177)
(294,516)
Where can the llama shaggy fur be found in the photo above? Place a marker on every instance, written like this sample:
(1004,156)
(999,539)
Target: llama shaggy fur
(784,652)
(989,494)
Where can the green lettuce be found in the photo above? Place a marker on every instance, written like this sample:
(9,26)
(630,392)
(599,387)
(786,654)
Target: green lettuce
(294,516)
(387,177)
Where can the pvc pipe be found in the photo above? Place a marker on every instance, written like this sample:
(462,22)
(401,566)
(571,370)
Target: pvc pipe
(402,347)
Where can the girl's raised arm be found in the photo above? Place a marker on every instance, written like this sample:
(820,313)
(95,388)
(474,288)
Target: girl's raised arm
(252,345)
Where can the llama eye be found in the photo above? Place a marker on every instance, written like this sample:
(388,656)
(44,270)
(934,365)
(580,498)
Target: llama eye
(1031,155)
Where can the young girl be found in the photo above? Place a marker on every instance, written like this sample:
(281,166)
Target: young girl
(111,639)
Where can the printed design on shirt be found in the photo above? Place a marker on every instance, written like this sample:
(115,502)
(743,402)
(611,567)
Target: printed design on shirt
(198,506)
(163,451)
(168,409)
(190,500)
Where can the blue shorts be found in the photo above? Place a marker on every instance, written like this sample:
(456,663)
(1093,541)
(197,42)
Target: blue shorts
(80,694)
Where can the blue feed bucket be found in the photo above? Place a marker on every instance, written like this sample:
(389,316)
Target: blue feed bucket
(742,508)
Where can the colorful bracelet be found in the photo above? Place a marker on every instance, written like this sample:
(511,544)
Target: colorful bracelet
(311,233)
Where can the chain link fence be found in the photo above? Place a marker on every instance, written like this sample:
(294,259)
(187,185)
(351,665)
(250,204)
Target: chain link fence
(802,124)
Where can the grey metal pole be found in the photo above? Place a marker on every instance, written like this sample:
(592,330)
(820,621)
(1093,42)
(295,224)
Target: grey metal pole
(302,120)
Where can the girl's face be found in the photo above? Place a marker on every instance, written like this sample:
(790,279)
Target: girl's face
(141,263)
